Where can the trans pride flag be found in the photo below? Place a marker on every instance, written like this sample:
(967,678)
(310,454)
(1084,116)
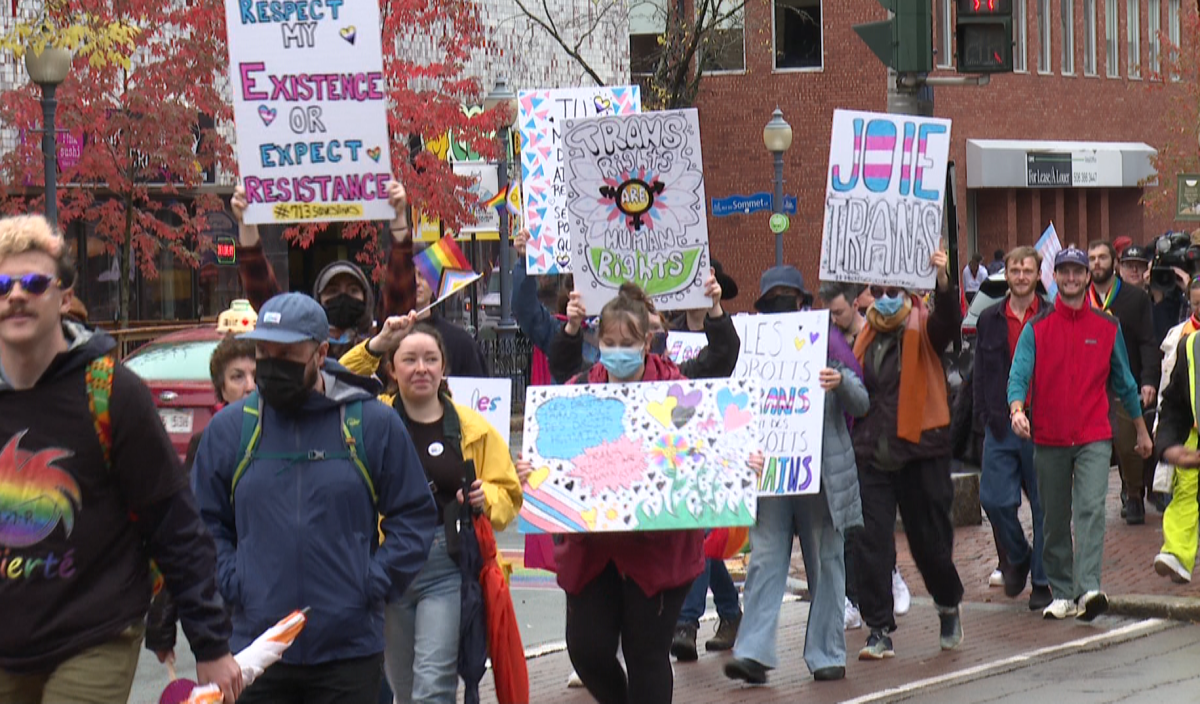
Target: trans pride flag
(441,256)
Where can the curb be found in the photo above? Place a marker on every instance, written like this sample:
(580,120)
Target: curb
(1176,608)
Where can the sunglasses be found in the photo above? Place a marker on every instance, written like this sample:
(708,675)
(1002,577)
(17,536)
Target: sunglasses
(33,284)
(889,291)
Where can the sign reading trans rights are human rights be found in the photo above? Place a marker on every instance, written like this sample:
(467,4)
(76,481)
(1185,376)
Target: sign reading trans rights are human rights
(883,199)
(310,104)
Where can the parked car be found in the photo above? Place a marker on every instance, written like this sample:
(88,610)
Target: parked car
(175,367)
(991,290)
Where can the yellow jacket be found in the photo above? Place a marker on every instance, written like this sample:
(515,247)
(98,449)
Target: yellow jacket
(480,443)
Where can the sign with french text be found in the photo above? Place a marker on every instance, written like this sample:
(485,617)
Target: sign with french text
(310,108)
(884,197)
(635,199)
(491,398)
(665,455)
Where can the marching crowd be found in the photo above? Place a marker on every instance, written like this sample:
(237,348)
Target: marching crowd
(342,477)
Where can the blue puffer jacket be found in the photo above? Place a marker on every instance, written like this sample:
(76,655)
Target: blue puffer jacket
(303,533)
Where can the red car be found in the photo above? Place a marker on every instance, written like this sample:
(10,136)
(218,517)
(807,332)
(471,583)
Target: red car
(175,367)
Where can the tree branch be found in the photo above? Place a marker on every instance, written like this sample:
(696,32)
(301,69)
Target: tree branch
(554,34)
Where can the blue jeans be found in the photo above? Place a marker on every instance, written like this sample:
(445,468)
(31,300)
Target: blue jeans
(1007,468)
(725,594)
(779,518)
(421,632)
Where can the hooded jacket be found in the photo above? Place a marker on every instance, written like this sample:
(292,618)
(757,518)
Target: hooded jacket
(302,533)
(77,534)
(350,269)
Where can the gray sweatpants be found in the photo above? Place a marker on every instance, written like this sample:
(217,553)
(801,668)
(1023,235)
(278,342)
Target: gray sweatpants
(1073,484)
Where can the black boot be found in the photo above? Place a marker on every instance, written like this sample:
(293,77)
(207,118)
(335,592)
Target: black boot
(683,646)
(746,670)
(1135,511)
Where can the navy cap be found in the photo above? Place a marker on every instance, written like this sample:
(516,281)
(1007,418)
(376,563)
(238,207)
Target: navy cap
(786,276)
(290,318)
(1070,255)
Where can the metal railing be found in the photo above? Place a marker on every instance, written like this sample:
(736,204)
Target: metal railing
(510,357)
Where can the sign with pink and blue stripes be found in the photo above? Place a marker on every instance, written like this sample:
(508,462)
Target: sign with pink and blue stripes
(884,197)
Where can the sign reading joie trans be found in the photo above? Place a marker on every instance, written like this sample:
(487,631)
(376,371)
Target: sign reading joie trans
(310,107)
(884,197)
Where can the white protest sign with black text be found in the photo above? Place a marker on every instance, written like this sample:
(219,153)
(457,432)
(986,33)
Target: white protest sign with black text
(491,398)
(883,203)
(635,198)
(310,109)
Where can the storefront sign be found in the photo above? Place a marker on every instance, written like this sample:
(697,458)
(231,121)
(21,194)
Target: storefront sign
(1187,197)
(1081,169)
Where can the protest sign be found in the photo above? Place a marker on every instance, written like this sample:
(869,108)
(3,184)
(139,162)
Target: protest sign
(491,398)
(883,200)
(310,109)
(684,346)
(635,198)
(485,184)
(667,455)
(541,116)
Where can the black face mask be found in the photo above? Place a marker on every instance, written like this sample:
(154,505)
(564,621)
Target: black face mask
(781,304)
(344,311)
(282,383)
(658,344)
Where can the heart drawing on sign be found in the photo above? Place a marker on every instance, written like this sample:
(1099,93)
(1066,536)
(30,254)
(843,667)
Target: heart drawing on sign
(799,342)
(374,153)
(689,400)
(725,397)
(681,415)
(537,476)
(661,410)
(736,418)
(349,33)
(267,114)
(813,337)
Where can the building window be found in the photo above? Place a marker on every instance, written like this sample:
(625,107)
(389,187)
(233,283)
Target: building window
(945,54)
(1133,22)
(1068,36)
(1020,60)
(725,45)
(1173,31)
(1089,37)
(798,34)
(1044,55)
(1153,27)
(1112,59)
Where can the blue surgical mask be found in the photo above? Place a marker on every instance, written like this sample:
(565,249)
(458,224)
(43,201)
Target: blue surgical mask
(889,305)
(622,362)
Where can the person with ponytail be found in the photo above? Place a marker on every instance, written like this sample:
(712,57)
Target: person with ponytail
(422,625)
(627,588)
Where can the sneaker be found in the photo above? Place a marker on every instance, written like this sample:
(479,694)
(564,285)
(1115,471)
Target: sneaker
(878,647)
(1135,513)
(1091,605)
(1166,565)
(1040,597)
(683,645)
(747,670)
(997,579)
(952,632)
(1060,609)
(573,682)
(853,617)
(726,634)
(901,598)
(1015,577)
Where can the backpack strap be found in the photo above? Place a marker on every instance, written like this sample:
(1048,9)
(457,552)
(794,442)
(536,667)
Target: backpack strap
(352,435)
(251,433)
(99,390)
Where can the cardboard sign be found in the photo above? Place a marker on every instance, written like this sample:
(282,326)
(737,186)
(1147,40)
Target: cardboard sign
(492,398)
(485,183)
(310,108)
(635,197)
(541,116)
(668,455)
(883,199)
(684,346)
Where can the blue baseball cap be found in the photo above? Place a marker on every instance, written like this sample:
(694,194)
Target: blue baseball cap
(290,318)
(1070,255)
(785,277)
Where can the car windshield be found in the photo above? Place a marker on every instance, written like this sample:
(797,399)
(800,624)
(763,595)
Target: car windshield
(184,361)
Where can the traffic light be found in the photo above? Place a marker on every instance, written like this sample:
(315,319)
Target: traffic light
(904,42)
(984,29)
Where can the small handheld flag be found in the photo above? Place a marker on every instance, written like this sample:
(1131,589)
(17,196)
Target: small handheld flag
(438,257)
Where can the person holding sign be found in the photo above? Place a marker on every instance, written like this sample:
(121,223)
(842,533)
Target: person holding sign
(903,450)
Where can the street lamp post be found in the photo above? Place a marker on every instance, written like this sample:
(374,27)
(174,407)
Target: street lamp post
(502,97)
(777,136)
(48,69)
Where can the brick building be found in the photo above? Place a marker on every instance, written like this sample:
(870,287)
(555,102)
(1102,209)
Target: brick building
(1083,96)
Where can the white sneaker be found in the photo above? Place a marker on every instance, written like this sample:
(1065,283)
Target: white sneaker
(997,579)
(573,681)
(853,617)
(1091,605)
(1168,565)
(1060,609)
(901,598)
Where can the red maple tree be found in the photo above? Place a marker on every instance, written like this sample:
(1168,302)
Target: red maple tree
(1178,152)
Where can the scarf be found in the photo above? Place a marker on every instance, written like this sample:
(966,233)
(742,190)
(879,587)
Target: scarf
(1104,305)
(1191,326)
(923,403)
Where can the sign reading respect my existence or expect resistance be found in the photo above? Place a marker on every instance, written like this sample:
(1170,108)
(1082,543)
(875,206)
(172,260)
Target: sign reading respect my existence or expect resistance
(883,199)
(310,106)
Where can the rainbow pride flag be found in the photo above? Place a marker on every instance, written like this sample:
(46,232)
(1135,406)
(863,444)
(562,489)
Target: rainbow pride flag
(438,257)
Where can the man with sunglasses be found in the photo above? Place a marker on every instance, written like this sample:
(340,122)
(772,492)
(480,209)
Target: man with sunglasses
(1065,361)
(89,485)
(902,448)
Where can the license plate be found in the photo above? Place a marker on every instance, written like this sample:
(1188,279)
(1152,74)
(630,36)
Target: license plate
(176,422)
